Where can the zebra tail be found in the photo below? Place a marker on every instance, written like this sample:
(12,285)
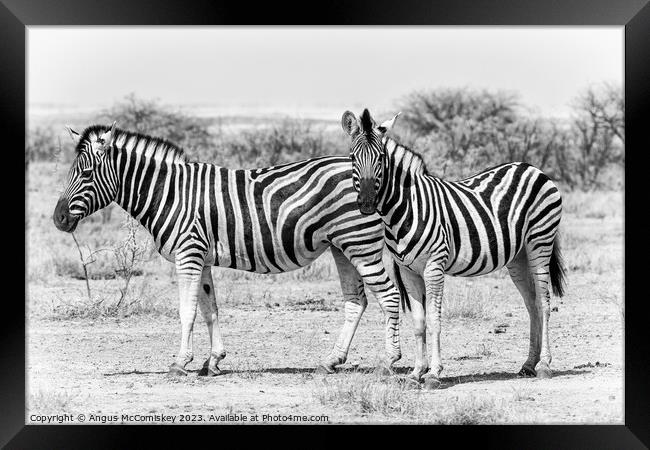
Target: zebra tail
(557,269)
(404,298)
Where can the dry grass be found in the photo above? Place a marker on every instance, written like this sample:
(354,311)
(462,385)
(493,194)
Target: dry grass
(313,304)
(368,394)
(465,300)
(593,205)
(50,402)
(70,300)
(380,399)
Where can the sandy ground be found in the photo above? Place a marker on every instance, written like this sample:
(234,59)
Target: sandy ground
(118,367)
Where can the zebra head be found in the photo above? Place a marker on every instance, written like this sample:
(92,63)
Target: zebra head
(367,154)
(92,181)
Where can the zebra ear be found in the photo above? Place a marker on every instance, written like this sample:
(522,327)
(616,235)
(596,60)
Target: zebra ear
(73,134)
(107,137)
(349,123)
(388,125)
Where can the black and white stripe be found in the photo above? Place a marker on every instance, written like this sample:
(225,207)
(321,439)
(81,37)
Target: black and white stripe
(267,220)
(505,216)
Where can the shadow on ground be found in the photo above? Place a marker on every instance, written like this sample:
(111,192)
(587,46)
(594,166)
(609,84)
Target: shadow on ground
(446,382)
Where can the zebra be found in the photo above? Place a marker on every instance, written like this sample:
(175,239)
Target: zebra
(266,220)
(508,215)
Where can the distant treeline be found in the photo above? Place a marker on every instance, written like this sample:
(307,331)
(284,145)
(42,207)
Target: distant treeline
(458,131)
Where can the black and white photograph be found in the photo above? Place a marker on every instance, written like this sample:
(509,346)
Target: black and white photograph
(324,225)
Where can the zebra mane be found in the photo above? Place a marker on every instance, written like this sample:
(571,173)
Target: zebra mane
(416,161)
(366,122)
(153,147)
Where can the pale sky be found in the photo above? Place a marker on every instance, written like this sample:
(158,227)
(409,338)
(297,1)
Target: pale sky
(331,67)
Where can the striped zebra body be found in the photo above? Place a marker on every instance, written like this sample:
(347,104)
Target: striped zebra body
(264,220)
(506,216)
(478,225)
(268,220)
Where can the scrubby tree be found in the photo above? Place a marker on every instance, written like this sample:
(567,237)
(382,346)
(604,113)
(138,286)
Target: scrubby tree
(150,117)
(599,132)
(462,131)
(464,120)
(286,141)
(42,144)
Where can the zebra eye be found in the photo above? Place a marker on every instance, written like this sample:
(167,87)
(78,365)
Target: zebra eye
(87,173)
(100,140)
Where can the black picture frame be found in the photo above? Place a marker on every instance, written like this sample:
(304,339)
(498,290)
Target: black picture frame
(634,15)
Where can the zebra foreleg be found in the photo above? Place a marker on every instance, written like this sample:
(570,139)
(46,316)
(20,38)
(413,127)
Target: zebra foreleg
(388,297)
(210,311)
(413,296)
(434,278)
(189,281)
(415,290)
(355,305)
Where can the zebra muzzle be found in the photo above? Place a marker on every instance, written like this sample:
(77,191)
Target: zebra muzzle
(63,220)
(366,199)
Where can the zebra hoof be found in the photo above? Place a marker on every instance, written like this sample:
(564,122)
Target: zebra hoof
(176,370)
(414,376)
(417,373)
(431,383)
(544,372)
(526,372)
(205,372)
(322,369)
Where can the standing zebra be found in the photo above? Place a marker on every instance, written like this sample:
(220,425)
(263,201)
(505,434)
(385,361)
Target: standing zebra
(267,220)
(505,216)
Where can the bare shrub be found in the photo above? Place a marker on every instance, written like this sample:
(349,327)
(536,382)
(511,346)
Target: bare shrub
(129,254)
(85,262)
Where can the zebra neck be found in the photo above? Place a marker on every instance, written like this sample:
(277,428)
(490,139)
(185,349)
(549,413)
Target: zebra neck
(403,173)
(142,181)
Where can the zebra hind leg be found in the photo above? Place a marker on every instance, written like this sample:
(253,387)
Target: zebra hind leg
(434,278)
(539,262)
(521,276)
(208,306)
(355,304)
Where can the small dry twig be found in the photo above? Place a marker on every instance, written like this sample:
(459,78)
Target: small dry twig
(84,263)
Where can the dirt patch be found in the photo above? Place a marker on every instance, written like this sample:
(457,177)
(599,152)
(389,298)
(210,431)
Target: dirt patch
(111,367)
